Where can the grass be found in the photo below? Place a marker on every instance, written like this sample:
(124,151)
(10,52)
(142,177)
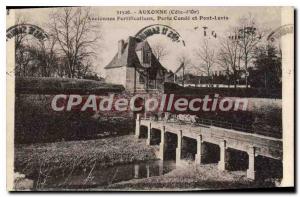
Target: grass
(53,85)
(57,165)
(36,122)
(40,162)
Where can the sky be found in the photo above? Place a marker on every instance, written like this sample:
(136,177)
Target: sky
(268,18)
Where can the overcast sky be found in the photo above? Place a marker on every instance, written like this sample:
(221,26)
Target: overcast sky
(268,18)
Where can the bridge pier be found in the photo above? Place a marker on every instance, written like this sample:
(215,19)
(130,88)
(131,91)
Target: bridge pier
(148,170)
(137,126)
(199,154)
(148,142)
(251,173)
(233,152)
(222,165)
(161,168)
(162,143)
(179,147)
(136,171)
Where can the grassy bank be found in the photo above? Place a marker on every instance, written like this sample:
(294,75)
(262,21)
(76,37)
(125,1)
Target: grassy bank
(36,122)
(190,177)
(41,162)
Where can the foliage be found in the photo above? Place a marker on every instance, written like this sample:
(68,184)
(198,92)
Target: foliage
(267,71)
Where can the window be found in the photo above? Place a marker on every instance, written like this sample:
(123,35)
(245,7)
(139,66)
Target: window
(141,79)
(147,57)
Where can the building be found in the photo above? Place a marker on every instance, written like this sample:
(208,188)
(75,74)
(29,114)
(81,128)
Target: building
(136,68)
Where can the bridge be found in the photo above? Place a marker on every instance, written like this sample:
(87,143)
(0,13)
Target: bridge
(211,143)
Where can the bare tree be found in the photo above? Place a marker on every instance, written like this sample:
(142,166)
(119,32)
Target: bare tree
(21,56)
(19,38)
(33,57)
(159,51)
(230,56)
(47,57)
(206,54)
(76,35)
(248,37)
(183,60)
(223,63)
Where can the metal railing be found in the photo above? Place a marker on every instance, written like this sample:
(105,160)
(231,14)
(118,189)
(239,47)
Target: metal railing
(218,123)
(225,124)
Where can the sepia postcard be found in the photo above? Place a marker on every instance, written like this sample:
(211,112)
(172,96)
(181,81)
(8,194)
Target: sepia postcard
(150,98)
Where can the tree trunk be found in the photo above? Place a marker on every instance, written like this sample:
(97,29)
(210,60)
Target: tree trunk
(246,68)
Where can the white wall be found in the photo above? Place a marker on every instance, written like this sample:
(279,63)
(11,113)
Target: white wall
(116,76)
(130,78)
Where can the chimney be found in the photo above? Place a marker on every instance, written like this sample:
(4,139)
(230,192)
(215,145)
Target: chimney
(120,48)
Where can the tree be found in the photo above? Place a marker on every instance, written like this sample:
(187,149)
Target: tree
(48,57)
(267,72)
(21,56)
(206,54)
(230,56)
(223,62)
(23,59)
(77,37)
(183,60)
(248,37)
(34,57)
(159,51)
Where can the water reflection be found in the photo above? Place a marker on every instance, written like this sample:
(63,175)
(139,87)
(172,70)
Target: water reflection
(158,168)
(114,174)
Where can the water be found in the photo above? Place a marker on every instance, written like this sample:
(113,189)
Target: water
(110,175)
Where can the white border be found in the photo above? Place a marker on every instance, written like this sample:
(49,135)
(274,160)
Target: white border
(3,192)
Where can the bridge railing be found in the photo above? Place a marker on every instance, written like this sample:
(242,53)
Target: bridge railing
(218,123)
(225,124)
